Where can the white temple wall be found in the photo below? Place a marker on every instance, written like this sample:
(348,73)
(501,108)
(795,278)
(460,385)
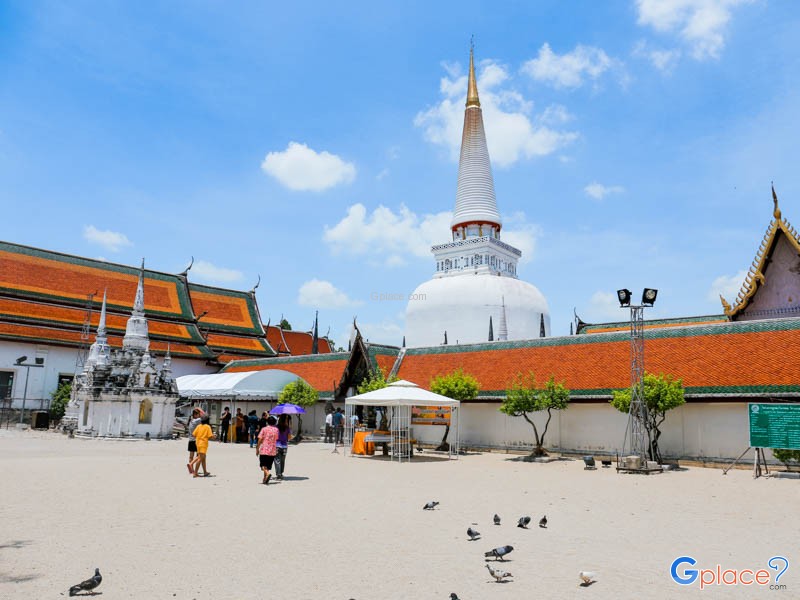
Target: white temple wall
(58,361)
(118,415)
(706,430)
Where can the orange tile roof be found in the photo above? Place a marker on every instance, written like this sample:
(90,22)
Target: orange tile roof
(226,310)
(27,311)
(322,371)
(41,274)
(294,343)
(754,357)
(64,337)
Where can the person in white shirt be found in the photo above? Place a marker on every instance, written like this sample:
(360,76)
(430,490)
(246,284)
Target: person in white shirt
(328,428)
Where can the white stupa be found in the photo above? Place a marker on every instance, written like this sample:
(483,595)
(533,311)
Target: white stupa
(475,295)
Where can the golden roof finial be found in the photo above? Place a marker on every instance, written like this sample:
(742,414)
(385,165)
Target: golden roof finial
(472,85)
(777,212)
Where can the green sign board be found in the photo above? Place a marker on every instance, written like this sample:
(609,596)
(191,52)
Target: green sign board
(775,426)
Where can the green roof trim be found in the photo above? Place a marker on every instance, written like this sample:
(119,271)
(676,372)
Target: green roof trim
(675,322)
(375,350)
(713,391)
(287,360)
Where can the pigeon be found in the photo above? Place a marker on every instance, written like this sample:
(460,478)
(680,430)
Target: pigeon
(498,574)
(499,552)
(587,577)
(523,522)
(543,522)
(497,519)
(88,585)
(454,596)
(472,533)
(430,505)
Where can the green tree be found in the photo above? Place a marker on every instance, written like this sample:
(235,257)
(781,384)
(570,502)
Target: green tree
(59,401)
(285,325)
(787,456)
(303,394)
(457,386)
(662,393)
(525,397)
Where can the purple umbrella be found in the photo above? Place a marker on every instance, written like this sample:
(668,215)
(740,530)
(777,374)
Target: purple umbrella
(288,408)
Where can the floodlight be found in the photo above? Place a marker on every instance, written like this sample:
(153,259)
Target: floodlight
(21,359)
(39,360)
(588,462)
(624,297)
(649,296)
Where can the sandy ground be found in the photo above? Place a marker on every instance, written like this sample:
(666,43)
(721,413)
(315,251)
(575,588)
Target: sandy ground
(350,527)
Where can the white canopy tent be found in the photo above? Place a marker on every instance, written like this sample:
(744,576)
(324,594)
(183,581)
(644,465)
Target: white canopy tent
(399,397)
(247,385)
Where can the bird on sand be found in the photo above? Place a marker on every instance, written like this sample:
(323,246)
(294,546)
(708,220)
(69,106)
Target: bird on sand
(499,552)
(543,522)
(497,519)
(498,574)
(472,533)
(587,578)
(88,585)
(430,505)
(524,522)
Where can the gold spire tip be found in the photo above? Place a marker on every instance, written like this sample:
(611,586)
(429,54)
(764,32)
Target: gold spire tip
(472,85)
(777,211)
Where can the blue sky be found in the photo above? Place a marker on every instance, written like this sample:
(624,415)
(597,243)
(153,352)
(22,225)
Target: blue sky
(315,144)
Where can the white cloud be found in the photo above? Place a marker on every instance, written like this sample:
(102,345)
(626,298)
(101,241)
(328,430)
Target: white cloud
(386,331)
(604,308)
(512,130)
(382,175)
(391,237)
(598,191)
(112,241)
(663,60)
(727,286)
(209,272)
(568,70)
(302,169)
(323,294)
(387,235)
(700,24)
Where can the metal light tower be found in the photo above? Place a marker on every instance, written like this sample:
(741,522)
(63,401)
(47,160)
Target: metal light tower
(39,363)
(637,437)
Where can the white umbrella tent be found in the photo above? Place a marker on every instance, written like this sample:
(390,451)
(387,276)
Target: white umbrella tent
(399,398)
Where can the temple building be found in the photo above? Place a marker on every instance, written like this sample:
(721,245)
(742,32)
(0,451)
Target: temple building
(475,294)
(122,392)
(51,303)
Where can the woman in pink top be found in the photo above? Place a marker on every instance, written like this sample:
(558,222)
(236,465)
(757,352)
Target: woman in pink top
(266,449)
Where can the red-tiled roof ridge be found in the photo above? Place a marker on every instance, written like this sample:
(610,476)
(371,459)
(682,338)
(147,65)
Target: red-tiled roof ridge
(732,359)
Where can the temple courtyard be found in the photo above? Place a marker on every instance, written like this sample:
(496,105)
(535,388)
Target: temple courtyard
(344,527)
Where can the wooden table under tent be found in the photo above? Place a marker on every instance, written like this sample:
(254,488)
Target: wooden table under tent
(401,405)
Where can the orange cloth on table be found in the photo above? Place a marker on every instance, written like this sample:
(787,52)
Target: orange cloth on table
(360,446)
(202,434)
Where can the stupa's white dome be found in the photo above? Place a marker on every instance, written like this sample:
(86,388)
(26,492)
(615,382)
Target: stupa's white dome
(462,306)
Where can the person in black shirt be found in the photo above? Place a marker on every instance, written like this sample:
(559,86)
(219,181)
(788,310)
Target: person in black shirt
(225,424)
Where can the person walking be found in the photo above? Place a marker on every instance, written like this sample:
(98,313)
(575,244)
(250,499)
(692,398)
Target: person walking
(225,425)
(252,427)
(266,449)
(202,434)
(197,413)
(282,445)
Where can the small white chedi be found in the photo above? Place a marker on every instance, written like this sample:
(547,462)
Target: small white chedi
(121,393)
(475,294)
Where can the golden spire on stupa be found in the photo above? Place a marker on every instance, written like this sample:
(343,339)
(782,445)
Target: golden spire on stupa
(472,85)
